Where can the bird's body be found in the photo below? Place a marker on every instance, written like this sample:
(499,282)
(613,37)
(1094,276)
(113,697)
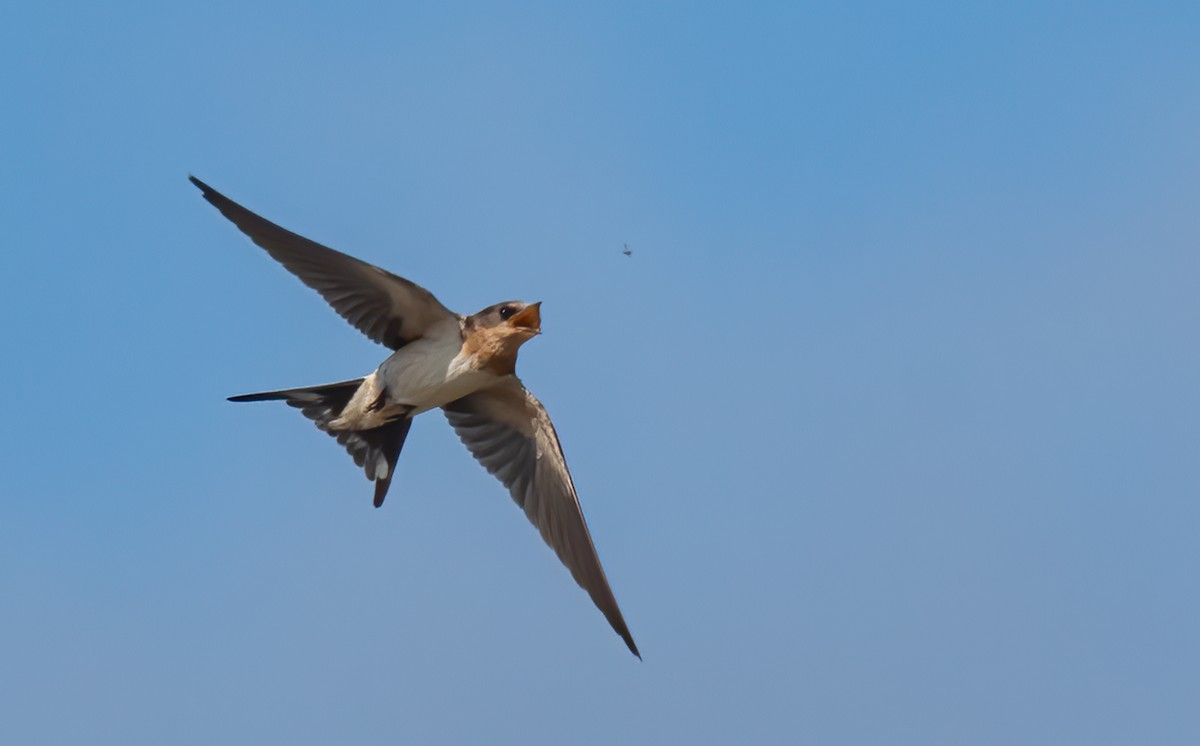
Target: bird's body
(425,374)
(465,365)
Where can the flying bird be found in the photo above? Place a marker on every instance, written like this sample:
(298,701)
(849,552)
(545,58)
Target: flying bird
(628,251)
(464,365)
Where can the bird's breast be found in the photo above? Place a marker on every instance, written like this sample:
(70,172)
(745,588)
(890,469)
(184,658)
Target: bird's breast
(428,373)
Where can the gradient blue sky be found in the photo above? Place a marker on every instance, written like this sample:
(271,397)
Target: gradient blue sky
(887,433)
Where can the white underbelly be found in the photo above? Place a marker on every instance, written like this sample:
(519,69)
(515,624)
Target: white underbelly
(428,373)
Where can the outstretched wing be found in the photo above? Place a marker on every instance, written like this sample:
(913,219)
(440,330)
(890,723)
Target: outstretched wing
(388,309)
(507,429)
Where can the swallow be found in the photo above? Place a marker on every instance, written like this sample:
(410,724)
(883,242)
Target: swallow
(463,365)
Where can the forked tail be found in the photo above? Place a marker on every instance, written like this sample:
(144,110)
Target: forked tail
(376,450)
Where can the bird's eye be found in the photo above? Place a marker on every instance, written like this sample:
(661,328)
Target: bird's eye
(507,311)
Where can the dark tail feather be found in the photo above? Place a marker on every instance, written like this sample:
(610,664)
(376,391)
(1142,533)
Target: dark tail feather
(376,450)
(333,396)
(379,443)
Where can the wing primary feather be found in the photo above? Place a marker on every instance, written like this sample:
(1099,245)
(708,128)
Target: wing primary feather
(389,309)
(508,431)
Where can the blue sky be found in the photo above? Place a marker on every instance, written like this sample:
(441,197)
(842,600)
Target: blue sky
(887,432)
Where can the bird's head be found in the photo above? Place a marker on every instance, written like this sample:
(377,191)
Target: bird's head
(509,324)
(511,319)
(494,334)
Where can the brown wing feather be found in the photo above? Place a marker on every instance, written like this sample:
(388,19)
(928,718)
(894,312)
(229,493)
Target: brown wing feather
(389,309)
(507,429)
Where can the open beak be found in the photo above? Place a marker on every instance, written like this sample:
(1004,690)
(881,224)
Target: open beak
(529,318)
